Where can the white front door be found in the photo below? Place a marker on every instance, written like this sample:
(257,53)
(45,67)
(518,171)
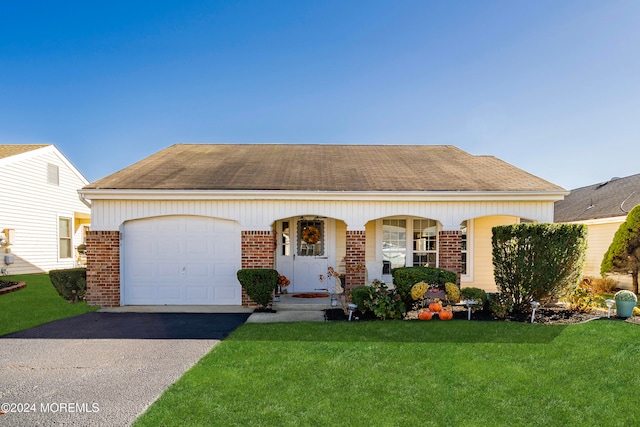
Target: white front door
(313,252)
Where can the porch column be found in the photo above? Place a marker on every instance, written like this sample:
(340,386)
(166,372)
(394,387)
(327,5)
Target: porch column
(450,251)
(103,268)
(258,251)
(355,259)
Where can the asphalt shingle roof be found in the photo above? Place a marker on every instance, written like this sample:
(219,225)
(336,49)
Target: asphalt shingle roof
(608,199)
(322,168)
(8,150)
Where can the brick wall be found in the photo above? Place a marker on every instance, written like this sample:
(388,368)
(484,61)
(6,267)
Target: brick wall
(450,251)
(355,259)
(103,268)
(257,252)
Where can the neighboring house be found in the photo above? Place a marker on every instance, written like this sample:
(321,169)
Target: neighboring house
(175,227)
(603,208)
(41,214)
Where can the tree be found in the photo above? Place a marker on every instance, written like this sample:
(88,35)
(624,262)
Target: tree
(623,255)
(535,262)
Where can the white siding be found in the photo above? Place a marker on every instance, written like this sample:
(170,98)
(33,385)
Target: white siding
(32,207)
(261,214)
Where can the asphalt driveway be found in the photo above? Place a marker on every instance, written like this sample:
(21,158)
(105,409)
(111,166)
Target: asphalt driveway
(101,368)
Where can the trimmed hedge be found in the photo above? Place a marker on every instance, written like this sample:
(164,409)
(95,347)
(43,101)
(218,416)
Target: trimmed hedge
(405,277)
(259,284)
(71,283)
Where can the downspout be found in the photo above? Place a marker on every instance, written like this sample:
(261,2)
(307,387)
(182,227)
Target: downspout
(84,200)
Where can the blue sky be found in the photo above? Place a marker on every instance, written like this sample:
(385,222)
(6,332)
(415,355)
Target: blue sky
(550,86)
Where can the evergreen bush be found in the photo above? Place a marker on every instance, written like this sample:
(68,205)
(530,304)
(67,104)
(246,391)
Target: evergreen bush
(71,283)
(623,255)
(536,262)
(259,284)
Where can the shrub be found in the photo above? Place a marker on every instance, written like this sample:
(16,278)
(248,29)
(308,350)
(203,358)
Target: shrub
(623,255)
(476,294)
(536,262)
(385,303)
(453,292)
(581,298)
(600,285)
(499,306)
(405,277)
(358,295)
(259,284)
(71,283)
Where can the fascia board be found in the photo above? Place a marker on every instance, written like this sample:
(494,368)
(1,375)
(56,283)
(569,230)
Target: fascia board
(427,196)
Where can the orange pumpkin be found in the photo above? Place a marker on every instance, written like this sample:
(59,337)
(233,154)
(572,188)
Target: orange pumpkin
(425,315)
(435,307)
(445,315)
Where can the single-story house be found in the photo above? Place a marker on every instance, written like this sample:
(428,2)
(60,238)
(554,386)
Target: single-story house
(175,227)
(603,208)
(42,219)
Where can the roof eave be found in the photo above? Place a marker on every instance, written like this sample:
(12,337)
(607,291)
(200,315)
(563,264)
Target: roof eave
(418,196)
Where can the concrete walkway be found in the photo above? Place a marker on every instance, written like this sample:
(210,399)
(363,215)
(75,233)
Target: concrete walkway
(290,310)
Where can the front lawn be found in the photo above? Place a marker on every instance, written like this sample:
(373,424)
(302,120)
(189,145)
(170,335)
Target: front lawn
(466,373)
(35,304)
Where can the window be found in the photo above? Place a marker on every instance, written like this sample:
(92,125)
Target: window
(425,242)
(53,174)
(285,242)
(64,236)
(310,238)
(394,242)
(408,242)
(463,231)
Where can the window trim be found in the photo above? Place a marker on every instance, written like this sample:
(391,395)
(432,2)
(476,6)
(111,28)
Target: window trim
(470,228)
(409,241)
(69,239)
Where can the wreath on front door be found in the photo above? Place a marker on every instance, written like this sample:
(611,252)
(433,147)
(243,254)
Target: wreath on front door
(310,235)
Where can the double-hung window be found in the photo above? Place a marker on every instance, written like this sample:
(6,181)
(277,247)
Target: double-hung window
(64,237)
(409,242)
(425,243)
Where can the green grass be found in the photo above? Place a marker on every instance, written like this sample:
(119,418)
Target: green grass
(35,304)
(411,373)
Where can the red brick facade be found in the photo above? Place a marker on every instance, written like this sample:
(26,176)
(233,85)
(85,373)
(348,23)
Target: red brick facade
(103,268)
(450,253)
(258,251)
(103,260)
(355,259)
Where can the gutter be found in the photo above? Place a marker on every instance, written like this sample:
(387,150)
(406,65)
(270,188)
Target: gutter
(417,196)
(84,200)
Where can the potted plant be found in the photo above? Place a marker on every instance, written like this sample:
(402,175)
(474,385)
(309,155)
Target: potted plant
(625,301)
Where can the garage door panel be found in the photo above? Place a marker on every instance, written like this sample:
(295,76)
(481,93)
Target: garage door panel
(169,294)
(225,271)
(181,260)
(224,293)
(198,247)
(169,270)
(199,294)
(198,271)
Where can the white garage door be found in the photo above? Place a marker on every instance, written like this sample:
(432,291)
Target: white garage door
(181,260)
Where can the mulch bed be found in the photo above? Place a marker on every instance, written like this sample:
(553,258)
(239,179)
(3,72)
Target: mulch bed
(8,286)
(549,316)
